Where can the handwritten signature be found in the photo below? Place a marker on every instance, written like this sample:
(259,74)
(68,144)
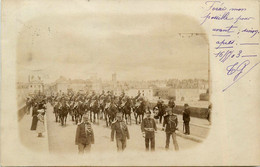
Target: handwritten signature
(238,69)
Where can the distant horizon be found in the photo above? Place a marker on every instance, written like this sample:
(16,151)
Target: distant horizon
(110,80)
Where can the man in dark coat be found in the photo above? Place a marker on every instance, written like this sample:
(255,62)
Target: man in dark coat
(84,135)
(34,116)
(148,127)
(171,104)
(28,105)
(119,127)
(209,114)
(170,124)
(186,119)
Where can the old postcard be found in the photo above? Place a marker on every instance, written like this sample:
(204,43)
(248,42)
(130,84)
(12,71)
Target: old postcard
(127,82)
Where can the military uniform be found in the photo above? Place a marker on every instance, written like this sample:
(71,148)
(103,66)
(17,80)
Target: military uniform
(84,137)
(148,127)
(186,120)
(122,133)
(171,123)
(171,104)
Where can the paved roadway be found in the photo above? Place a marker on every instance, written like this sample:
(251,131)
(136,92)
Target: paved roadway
(62,139)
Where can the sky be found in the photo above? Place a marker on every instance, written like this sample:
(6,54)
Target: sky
(135,46)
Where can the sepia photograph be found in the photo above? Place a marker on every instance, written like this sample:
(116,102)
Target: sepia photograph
(112,82)
(129,83)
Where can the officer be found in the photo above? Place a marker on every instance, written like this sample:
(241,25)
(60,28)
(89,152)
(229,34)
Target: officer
(84,135)
(186,119)
(119,127)
(171,123)
(148,127)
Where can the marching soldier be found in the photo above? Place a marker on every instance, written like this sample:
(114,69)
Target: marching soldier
(159,104)
(120,128)
(161,109)
(148,127)
(186,119)
(171,123)
(137,97)
(84,135)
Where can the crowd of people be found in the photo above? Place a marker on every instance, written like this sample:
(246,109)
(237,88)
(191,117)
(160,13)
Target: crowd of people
(107,103)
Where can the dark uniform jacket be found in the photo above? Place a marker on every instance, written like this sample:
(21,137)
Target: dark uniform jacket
(171,123)
(84,136)
(121,130)
(148,126)
(186,115)
(171,104)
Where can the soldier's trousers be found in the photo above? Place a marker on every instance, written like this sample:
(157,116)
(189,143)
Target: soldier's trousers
(121,144)
(151,142)
(187,127)
(168,135)
(84,147)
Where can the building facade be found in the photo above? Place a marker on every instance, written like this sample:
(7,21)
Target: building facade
(188,94)
(147,93)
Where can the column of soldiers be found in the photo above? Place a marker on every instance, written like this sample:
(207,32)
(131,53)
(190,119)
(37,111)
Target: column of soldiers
(120,133)
(119,129)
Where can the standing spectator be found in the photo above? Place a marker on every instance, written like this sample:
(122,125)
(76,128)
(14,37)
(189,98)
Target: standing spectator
(209,114)
(186,119)
(40,125)
(28,105)
(34,116)
(171,123)
(148,128)
(122,132)
(84,135)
